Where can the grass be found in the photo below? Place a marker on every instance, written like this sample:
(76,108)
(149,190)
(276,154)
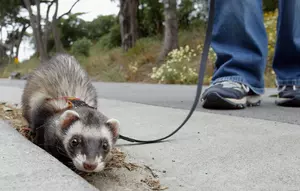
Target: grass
(24,68)
(136,64)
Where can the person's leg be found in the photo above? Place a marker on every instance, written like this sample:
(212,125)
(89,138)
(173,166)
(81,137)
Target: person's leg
(286,63)
(240,42)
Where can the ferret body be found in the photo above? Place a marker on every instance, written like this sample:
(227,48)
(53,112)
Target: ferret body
(72,130)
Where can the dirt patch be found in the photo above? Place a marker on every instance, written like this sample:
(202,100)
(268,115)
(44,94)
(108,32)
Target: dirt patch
(118,174)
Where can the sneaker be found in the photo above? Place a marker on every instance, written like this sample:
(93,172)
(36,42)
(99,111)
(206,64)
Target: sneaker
(229,95)
(288,96)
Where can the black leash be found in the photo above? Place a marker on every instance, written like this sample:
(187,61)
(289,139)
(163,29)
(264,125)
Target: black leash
(200,78)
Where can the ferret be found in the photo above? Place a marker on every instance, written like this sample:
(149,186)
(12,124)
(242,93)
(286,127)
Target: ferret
(59,103)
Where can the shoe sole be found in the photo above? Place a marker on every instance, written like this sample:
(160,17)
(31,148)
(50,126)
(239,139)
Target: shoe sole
(286,102)
(215,101)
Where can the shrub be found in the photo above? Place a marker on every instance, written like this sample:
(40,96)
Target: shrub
(270,5)
(115,36)
(111,39)
(177,69)
(101,26)
(142,46)
(180,67)
(104,42)
(270,21)
(81,47)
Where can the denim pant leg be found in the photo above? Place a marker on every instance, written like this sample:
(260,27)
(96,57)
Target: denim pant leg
(286,63)
(240,41)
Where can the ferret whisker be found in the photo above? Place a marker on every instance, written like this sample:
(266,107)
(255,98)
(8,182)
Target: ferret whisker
(60,151)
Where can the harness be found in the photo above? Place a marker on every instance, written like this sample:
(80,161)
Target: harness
(73,102)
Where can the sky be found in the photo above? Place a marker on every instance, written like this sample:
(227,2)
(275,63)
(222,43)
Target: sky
(93,8)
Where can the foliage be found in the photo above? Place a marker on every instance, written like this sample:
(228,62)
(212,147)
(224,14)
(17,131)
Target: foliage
(191,12)
(9,8)
(150,18)
(81,47)
(111,39)
(104,59)
(105,65)
(141,46)
(72,29)
(270,21)
(270,5)
(115,36)
(104,29)
(176,70)
(179,65)
(24,68)
(101,26)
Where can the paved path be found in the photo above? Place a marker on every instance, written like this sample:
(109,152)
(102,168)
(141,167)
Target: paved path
(177,96)
(212,152)
(252,149)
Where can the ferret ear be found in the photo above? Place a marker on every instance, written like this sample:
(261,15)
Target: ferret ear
(114,126)
(67,118)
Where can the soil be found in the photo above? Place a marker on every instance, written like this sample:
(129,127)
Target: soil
(119,175)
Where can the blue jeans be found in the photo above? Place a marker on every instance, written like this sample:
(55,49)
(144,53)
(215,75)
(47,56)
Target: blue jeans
(241,44)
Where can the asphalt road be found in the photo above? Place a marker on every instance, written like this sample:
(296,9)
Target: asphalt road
(182,97)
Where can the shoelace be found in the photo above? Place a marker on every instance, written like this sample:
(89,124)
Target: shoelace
(231,84)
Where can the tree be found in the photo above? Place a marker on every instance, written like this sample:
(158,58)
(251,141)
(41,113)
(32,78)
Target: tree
(171,29)
(15,27)
(41,35)
(128,23)
(15,36)
(100,26)
(35,23)
(150,18)
(56,33)
(72,29)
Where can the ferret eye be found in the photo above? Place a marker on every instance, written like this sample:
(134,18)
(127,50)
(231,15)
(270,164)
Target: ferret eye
(105,146)
(74,142)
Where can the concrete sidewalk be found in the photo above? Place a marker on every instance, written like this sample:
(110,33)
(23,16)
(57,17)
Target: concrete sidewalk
(24,166)
(212,152)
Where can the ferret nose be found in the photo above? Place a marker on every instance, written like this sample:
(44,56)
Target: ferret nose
(89,166)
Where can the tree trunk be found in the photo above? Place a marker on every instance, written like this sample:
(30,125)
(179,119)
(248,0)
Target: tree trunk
(56,36)
(55,32)
(47,27)
(171,29)
(35,22)
(46,35)
(133,21)
(128,23)
(43,53)
(25,26)
(2,55)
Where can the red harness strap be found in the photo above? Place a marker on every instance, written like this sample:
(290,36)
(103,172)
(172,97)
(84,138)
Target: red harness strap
(67,99)
(72,102)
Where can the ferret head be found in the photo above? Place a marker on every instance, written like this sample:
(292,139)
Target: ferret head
(88,137)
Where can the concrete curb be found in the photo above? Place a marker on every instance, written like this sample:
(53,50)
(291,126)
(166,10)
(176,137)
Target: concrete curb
(24,166)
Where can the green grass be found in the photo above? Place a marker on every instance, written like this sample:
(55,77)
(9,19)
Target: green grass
(24,68)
